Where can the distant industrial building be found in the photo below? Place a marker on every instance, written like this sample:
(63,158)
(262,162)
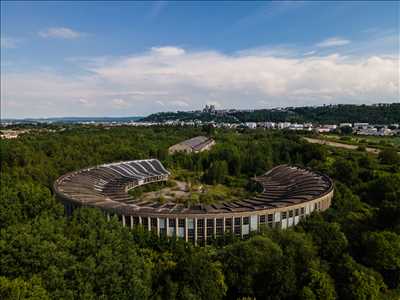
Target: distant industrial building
(193,145)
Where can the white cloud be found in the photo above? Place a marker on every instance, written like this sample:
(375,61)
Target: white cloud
(333,42)
(119,103)
(312,52)
(179,103)
(83,101)
(168,51)
(60,32)
(142,83)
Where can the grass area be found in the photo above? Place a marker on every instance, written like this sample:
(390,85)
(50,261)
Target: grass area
(190,192)
(379,142)
(212,194)
(151,187)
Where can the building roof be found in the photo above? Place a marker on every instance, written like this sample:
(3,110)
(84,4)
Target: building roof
(105,187)
(196,143)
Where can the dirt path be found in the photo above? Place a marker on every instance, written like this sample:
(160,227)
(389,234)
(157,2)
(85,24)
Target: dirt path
(340,145)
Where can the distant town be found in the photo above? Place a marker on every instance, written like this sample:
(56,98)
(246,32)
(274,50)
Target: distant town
(317,119)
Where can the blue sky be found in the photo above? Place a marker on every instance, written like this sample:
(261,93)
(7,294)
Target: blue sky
(135,58)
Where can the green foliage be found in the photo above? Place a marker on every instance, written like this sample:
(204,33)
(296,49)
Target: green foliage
(385,114)
(257,268)
(389,157)
(350,251)
(382,252)
(354,281)
(328,237)
(19,288)
(319,286)
(216,173)
(346,171)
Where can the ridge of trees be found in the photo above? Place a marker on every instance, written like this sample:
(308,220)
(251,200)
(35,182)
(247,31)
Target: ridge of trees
(330,114)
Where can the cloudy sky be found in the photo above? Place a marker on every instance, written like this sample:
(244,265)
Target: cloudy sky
(136,58)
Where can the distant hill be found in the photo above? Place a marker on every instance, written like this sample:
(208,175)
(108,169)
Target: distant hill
(74,120)
(374,114)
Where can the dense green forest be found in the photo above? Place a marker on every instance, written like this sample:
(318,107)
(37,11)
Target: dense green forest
(351,251)
(374,114)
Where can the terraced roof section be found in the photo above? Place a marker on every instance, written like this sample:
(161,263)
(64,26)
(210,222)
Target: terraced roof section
(106,187)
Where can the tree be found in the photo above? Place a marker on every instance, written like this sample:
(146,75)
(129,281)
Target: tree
(328,237)
(319,286)
(389,157)
(346,171)
(346,130)
(382,188)
(356,282)
(19,288)
(382,252)
(257,268)
(216,173)
(313,152)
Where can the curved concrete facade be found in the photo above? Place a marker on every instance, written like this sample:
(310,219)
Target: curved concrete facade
(289,194)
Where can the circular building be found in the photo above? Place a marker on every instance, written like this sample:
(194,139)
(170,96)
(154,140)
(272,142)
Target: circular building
(289,194)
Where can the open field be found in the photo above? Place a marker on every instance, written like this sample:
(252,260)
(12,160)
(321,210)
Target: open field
(340,145)
(368,141)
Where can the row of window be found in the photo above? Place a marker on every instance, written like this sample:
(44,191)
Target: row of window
(209,228)
(234,224)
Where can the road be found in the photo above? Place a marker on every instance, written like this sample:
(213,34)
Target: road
(340,145)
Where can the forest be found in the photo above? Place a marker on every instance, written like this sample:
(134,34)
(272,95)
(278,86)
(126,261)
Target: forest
(329,114)
(350,251)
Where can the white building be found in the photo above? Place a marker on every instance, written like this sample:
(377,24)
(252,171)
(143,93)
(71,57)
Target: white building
(283,125)
(361,125)
(251,125)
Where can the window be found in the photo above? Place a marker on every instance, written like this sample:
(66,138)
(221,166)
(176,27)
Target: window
(190,223)
(171,222)
(210,231)
(284,215)
(262,219)
(270,218)
(290,213)
(302,211)
(296,212)
(161,223)
(128,221)
(245,220)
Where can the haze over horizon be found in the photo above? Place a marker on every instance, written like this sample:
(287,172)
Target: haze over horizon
(90,59)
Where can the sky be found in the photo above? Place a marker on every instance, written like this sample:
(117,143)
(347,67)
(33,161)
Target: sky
(81,59)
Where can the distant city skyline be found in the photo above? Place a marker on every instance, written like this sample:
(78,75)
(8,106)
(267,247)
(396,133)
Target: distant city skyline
(63,59)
